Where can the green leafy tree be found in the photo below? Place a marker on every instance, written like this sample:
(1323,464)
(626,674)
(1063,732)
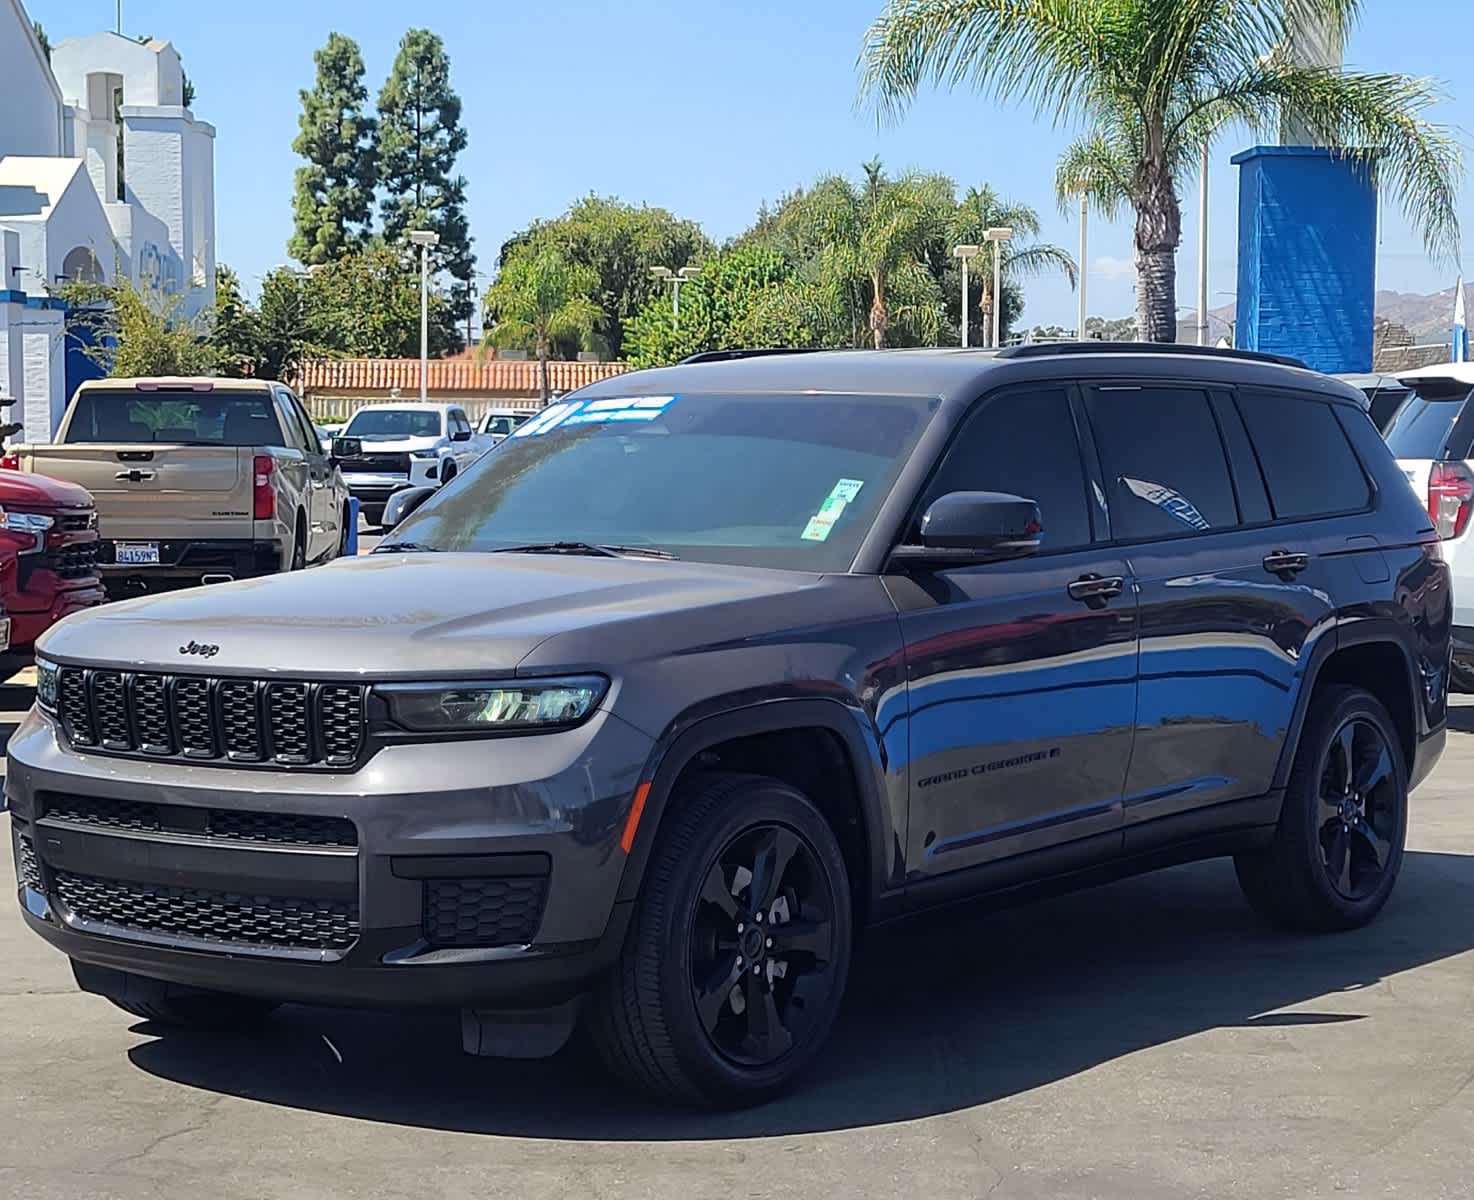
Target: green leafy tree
(284,332)
(621,242)
(875,239)
(1152,77)
(133,330)
(744,297)
(42,38)
(235,330)
(419,138)
(333,205)
(537,298)
(367,305)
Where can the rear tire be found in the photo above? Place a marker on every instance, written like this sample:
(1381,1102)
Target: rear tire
(345,530)
(299,546)
(171,1003)
(734,967)
(1339,844)
(1461,676)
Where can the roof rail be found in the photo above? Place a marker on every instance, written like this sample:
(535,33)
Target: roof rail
(728,355)
(1045,349)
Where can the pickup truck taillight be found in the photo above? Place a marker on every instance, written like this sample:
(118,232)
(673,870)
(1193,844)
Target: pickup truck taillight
(1450,498)
(10,462)
(264,497)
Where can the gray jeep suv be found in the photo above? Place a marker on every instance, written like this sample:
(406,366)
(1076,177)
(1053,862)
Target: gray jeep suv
(705,668)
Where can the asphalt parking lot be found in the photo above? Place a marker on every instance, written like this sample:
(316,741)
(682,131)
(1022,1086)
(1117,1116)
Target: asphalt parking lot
(1148,1039)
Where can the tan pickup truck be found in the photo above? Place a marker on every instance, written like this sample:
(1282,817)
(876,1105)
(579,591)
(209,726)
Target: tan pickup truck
(197,480)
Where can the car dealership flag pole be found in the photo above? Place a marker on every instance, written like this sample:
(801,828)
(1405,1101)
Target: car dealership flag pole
(1460,348)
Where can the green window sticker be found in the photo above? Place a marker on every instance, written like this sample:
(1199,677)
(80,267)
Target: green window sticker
(821,524)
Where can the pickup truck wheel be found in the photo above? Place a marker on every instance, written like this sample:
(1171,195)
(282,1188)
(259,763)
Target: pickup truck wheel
(344,531)
(171,1003)
(299,546)
(1338,847)
(448,472)
(736,961)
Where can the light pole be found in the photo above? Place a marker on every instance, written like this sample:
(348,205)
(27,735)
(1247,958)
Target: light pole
(675,279)
(965,253)
(1084,267)
(1203,249)
(425,239)
(999,236)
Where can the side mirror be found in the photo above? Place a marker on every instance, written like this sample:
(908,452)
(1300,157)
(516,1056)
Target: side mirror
(346,447)
(962,528)
(404,502)
(461,435)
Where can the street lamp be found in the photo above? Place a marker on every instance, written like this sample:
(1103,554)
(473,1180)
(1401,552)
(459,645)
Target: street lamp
(675,279)
(998,235)
(965,253)
(425,239)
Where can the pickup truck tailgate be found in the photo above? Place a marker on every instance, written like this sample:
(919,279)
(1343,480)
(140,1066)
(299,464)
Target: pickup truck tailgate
(160,491)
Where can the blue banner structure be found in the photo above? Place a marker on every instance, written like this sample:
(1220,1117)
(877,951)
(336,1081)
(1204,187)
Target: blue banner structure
(1459,351)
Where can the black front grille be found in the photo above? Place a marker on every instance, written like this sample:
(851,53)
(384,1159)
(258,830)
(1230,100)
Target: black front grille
(27,869)
(483,912)
(279,829)
(231,918)
(224,720)
(376,464)
(77,522)
(76,561)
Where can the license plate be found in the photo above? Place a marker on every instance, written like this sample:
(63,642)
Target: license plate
(136,553)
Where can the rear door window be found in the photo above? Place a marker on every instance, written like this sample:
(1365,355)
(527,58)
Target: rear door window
(1163,460)
(1309,466)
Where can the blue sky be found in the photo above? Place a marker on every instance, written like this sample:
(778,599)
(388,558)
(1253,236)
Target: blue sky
(705,108)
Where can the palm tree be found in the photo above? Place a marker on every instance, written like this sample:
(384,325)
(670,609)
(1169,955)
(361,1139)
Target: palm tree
(982,209)
(537,298)
(1177,67)
(875,239)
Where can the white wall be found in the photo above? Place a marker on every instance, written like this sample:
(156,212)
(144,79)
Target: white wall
(30,103)
(152,74)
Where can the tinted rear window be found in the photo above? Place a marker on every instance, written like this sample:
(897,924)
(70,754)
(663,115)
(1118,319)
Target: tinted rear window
(1422,424)
(1309,466)
(212,419)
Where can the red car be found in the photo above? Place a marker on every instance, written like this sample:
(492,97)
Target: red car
(48,553)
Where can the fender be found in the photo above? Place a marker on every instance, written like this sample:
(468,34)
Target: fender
(683,741)
(1346,634)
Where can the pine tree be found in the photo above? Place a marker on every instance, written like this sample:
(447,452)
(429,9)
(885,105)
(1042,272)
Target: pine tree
(335,190)
(419,137)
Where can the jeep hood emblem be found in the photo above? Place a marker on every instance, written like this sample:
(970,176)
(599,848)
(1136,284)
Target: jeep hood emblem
(204,650)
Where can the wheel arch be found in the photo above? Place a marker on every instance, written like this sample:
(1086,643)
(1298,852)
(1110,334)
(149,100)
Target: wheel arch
(758,733)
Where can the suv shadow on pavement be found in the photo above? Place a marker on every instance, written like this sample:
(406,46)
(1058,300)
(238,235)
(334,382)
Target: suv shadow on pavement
(930,1026)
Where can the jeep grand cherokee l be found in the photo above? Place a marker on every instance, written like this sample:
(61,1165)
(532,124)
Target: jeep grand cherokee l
(643,716)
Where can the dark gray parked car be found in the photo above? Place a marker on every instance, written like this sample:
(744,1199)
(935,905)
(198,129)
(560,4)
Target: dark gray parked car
(646,714)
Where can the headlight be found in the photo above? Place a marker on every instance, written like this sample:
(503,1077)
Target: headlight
(32,525)
(504,705)
(431,454)
(46,684)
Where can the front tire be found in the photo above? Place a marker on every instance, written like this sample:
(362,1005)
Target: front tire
(1339,844)
(171,1004)
(733,970)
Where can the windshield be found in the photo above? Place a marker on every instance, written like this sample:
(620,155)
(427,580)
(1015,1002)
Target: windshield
(388,424)
(1422,424)
(772,481)
(210,419)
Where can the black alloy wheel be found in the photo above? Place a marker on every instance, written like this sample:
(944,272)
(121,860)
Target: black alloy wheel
(1360,809)
(762,945)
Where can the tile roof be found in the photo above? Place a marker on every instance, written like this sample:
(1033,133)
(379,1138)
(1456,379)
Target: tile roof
(464,374)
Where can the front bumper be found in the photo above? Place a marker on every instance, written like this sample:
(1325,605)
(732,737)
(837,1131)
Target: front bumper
(27,624)
(375,487)
(430,820)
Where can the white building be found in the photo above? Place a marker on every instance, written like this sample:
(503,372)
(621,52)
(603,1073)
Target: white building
(103,172)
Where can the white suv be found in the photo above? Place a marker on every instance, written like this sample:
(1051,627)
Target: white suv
(1432,438)
(406,445)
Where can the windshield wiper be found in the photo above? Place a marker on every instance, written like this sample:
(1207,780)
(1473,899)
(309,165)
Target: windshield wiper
(406,547)
(588,548)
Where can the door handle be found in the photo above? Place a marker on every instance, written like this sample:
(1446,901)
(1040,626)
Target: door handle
(1095,590)
(1286,563)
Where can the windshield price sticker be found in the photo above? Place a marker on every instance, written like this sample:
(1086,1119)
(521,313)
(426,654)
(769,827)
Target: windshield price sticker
(821,524)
